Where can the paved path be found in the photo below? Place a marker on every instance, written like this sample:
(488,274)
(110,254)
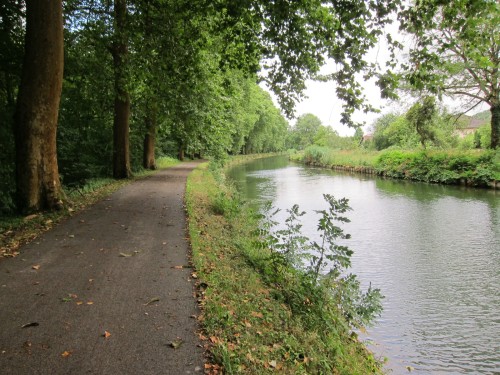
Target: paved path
(113,268)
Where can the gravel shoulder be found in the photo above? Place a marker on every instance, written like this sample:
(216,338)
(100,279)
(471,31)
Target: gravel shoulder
(108,291)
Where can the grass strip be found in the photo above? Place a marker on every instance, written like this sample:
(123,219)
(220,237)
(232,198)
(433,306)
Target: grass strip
(248,325)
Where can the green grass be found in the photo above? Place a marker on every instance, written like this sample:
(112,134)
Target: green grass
(326,157)
(248,323)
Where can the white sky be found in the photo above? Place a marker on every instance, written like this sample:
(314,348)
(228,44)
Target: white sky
(322,101)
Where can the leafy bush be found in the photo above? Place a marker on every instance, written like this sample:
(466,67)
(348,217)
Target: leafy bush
(478,168)
(316,272)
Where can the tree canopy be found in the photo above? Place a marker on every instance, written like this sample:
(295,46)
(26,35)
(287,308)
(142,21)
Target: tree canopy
(145,78)
(456,52)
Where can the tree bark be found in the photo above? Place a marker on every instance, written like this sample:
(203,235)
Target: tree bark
(119,50)
(181,152)
(149,161)
(35,125)
(495,125)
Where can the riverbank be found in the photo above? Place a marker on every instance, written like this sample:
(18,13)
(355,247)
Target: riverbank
(479,168)
(252,323)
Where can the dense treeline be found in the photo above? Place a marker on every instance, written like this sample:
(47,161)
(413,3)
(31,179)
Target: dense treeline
(150,78)
(147,78)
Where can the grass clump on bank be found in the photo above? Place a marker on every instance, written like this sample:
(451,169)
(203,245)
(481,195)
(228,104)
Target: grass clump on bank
(16,230)
(327,157)
(260,315)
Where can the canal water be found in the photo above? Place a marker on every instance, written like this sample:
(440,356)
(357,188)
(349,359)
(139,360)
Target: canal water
(434,251)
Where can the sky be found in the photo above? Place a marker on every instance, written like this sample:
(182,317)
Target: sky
(322,101)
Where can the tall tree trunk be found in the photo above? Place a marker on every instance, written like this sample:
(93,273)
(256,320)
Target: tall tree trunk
(119,50)
(37,175)
(149,161)
(495,125)
(181,152)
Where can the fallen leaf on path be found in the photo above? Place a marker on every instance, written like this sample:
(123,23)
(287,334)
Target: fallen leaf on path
(126,255)
(106,334)
(72,295)
(79,303)
(71,236)
(154,299)
(32,324)
(176,343)
(90,303)
(178,267)
(36,267)
(65,354)
(194,275)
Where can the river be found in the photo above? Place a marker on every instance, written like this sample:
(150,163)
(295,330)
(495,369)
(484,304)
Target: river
(434,251)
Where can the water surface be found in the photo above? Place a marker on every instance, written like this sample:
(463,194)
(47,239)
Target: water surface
(433,250)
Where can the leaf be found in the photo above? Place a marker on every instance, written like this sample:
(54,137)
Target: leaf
(154,299)
(66,299)
(65,354)
(36,267)
(178,267)
(90,303)
(32,324)
(124,255)
(79,303)
(256,314)
(272,363)
(106,334)
(176,343)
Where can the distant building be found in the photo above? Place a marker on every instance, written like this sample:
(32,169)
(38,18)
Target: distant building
(367,137)
(468,125)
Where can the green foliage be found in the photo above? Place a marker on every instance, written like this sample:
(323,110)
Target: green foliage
(455,51)
(327,157)
(319,267)
(284,325)
(421,117)
(475,168)
(11,55)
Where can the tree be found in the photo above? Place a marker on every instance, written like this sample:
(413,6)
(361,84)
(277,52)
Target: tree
(306,127)
(37,175)
(119,51)
(11,57)
(421,117)
(456,52)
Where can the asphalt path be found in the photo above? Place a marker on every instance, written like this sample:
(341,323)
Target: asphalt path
(108,291)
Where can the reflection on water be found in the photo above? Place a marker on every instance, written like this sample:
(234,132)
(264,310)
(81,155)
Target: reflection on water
(434,251)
